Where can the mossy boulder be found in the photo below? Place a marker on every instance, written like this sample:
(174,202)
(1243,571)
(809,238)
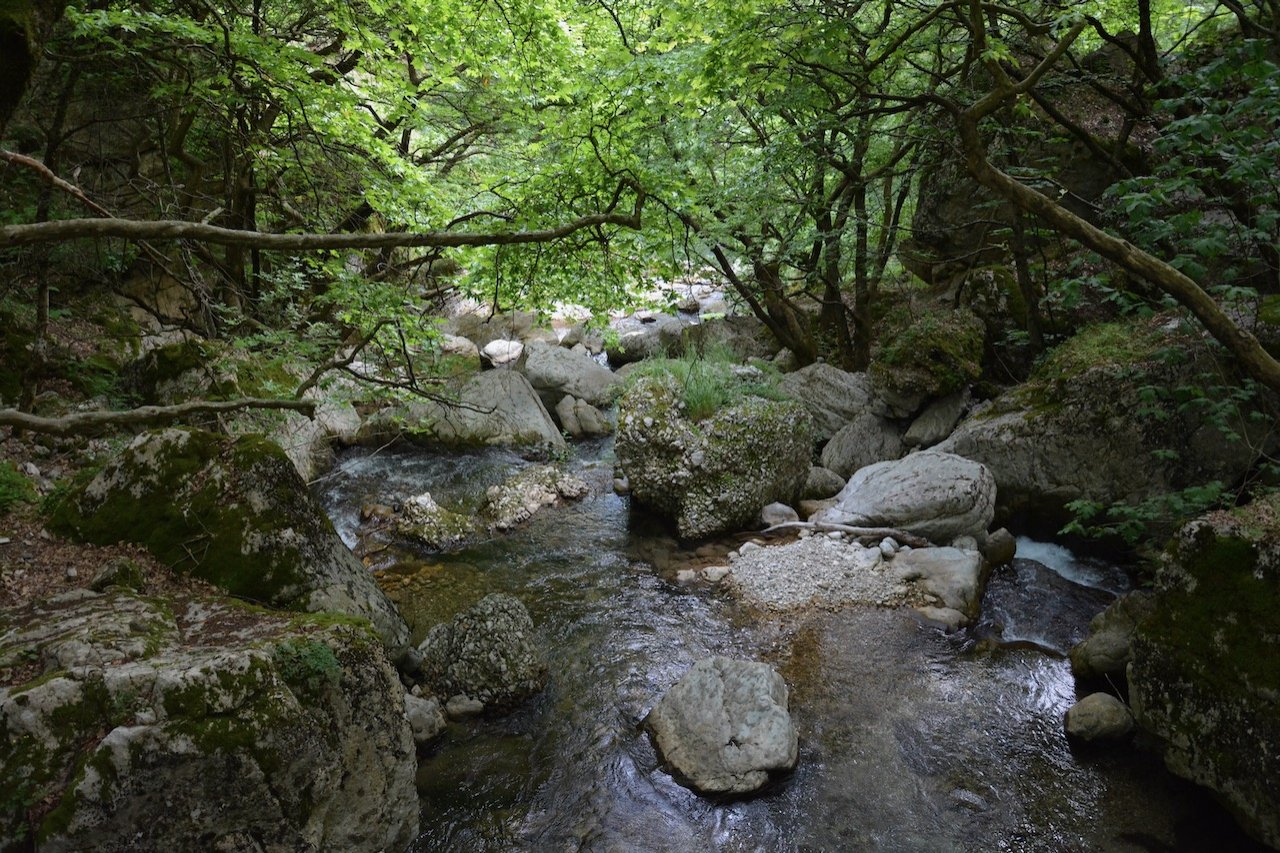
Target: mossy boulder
(928,356)
(1123,412)
(233,512)
(1205,674)
(487,654)
(712,475)
(198,722)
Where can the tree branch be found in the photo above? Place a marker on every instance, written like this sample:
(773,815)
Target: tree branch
(85,422)
(131,229)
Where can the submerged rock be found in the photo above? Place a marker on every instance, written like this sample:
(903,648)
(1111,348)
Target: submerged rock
(487,654)
(932,494)
(1205,673)
(147,723)
(233,512)
(713,475)
(724,728)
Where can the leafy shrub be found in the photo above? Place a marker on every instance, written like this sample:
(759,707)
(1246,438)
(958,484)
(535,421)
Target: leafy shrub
(310,664)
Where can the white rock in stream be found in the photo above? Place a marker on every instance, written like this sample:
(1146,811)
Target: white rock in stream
(724,727)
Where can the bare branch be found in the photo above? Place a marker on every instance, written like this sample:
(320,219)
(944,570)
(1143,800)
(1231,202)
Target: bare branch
(131,229)
(85,422)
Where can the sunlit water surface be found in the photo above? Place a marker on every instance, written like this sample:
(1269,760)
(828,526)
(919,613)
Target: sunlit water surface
(909,739)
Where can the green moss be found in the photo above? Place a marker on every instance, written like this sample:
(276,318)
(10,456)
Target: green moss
(1269,311)
(15,488)
(193,512)
(933,354)
(1226,628)
(1104,345)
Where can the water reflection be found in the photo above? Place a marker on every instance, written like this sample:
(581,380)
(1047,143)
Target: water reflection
(910,739)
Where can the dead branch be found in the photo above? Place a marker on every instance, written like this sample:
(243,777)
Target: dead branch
(87,422)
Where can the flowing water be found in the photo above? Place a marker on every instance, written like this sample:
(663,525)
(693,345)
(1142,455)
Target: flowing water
(909,739)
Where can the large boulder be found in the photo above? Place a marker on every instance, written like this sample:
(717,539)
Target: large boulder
(713,475)
(939,496)
(1106,419)
(493,408)
(866,439)
(832,396)
(554,372)
(724,728)
(233,512)
(1205,674)
(651,336)
(487,654)
(137,723)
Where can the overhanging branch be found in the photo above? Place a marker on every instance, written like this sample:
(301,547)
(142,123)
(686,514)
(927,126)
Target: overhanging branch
(85,422)
(131,229)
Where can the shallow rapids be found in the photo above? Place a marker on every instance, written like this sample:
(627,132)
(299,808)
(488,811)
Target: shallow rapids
(910,739)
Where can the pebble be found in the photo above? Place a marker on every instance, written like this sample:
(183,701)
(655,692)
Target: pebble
(72,573)
(835,535)
(748,547)
(715,574)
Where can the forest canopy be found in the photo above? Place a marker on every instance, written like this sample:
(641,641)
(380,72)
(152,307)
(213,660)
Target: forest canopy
(316,173)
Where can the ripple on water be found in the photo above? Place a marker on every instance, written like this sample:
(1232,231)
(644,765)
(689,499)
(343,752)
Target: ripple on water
(910,740)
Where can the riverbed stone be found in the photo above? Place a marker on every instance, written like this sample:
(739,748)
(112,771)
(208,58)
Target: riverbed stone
(866,439)
(556,372)
(233,512)
(488,653)
(832,396)
(724,728)
(515,500)
(501,352)
(426,719)
(1105,652)
(777,513)
(580,419)
(939,496)
(1098,717)
(821,483)
(426,522)
(955,577)
(714,475)
(147,722)
(1204,679)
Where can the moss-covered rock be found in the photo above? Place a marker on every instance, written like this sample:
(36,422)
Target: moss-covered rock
(167,724)
(1123,412)
(715,474)
(1205,675)
(233,512)
(487,654)
(928,356)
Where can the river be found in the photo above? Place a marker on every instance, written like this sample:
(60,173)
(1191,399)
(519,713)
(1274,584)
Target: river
(910,739)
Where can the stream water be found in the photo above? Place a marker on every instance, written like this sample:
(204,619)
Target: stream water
(910,739)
